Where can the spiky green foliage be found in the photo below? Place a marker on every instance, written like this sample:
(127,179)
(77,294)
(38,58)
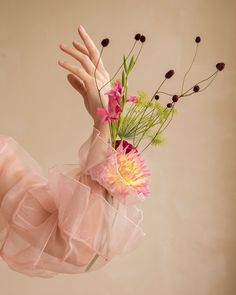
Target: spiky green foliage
(156,139)
(141,125)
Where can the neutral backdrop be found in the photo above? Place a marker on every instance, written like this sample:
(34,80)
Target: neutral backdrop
(190,216)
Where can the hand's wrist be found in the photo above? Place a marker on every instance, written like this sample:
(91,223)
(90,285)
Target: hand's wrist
(103,128)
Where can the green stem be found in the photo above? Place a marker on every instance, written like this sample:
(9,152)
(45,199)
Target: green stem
(147,107)
(156,134)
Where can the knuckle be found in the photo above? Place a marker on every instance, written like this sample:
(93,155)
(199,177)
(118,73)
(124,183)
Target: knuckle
(77,71)
(85,58)
(94,51)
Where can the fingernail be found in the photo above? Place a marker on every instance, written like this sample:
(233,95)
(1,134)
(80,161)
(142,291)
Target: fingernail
(63,45)
(81,28)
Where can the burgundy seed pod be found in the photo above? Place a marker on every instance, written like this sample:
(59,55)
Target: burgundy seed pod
(198,39)
(105,42)
(156,97)
(137,37)
(142,38)
(169,74)
(169,105)
(175,98)
(196,88)
(220,66)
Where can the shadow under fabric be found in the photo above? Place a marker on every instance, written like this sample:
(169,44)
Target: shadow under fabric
(67,222)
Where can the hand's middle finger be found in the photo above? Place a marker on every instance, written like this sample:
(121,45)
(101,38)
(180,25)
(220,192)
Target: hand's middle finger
(91,47)
(82,58)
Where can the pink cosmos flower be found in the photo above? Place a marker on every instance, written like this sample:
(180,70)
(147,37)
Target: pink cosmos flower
(117,91)
(114,109)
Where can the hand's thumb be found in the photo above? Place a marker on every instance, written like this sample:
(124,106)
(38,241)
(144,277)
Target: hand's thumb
(77,84)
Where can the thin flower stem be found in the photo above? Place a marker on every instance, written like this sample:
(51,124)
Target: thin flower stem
(183,94)
(133,119)
(95,76)
(194,57)
(145,131)
(204,88)
(137,54)
(126,78)
(208,83)
(119,66)
(172,115)
(147,107)
(125,119)
(140,126)
(157,131)
(169,94)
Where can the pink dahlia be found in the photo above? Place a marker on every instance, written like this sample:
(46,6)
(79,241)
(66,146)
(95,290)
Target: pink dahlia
(123,174)
(132,168)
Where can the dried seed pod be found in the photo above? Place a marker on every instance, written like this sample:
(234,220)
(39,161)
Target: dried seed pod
(196,88)
(105,42)
(142,38)
(137,37)
(198,39)
(220,66)
(175,98)
(169,74)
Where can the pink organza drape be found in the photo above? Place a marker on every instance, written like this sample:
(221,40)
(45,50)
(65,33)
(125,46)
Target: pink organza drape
(66,222)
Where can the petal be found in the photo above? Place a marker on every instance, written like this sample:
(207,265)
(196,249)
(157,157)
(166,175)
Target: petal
(131,98)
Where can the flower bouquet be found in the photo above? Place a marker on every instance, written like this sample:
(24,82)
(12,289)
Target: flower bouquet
(136,119)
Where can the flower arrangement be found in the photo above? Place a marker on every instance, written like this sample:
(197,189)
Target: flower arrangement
(134,119)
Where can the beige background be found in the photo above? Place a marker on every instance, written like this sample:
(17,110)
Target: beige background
(190,247)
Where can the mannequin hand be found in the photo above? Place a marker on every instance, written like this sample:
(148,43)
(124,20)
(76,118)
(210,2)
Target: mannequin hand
(82,77)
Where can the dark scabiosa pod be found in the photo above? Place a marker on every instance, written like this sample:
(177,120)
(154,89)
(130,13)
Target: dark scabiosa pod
(137,37)
(105,42)
(220,66)
(196,88)
(175,98)
(198,39)
(142,38)
(169,74)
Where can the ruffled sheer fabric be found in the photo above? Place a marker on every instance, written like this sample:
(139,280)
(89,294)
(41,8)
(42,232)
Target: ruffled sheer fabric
(67,222)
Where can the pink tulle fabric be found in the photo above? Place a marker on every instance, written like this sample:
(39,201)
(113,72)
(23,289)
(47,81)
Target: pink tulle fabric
(66,222)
